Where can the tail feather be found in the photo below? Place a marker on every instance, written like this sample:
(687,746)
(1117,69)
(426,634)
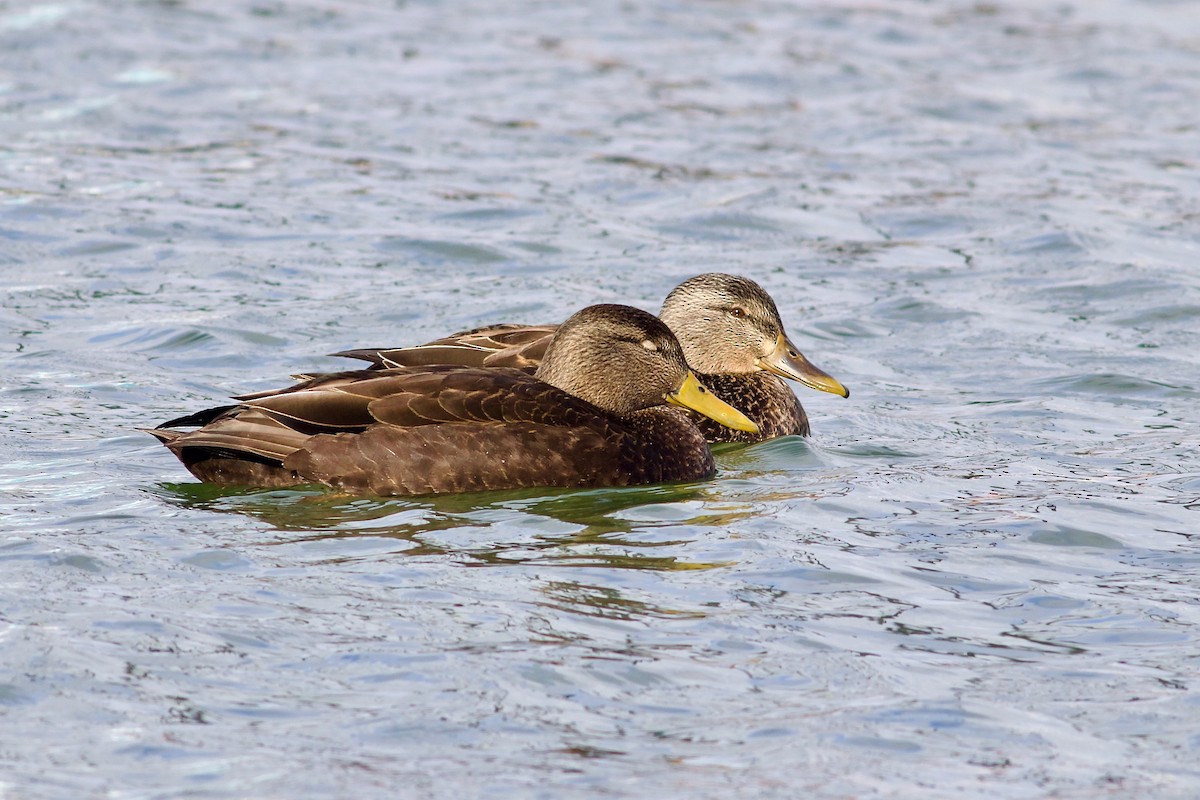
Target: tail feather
(197,420)
(166,437)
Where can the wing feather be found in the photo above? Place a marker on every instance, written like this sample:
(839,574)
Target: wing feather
(506,345)
(318,411)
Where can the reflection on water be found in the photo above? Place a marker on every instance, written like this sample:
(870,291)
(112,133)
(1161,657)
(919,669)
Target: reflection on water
(609,603)
(597,527)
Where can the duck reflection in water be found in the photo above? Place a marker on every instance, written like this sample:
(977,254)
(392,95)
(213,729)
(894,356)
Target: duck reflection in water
(622,528)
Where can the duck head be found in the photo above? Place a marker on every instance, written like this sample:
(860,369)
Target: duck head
(729,324)
(623,359)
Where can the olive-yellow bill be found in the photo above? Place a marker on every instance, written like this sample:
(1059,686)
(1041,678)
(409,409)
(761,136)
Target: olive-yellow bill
(787,361)
(693,394)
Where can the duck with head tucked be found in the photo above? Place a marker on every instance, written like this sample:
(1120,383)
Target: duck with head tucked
(731,334)
(597,412)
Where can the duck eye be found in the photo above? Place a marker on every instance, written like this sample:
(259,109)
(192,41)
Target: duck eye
(737,312)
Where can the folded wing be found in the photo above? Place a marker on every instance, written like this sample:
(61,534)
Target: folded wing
(506,345)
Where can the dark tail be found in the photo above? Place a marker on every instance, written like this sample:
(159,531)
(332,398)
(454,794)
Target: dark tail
(166,437)
(197,420)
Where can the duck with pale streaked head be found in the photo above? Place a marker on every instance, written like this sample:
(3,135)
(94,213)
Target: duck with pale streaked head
(731,334)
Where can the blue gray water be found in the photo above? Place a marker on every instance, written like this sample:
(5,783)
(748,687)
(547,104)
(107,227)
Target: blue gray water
(979,578)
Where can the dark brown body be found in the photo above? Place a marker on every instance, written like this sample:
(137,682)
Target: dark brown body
(424,430)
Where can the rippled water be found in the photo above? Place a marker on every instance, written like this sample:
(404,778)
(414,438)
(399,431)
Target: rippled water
(979,578)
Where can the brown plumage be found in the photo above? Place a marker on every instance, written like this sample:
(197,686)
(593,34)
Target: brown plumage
(731,334)
(593,415)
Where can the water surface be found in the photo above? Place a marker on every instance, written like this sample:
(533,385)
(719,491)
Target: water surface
(979,577)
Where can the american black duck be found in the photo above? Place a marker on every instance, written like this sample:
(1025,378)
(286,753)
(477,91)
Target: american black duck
(731,334)
(594,414)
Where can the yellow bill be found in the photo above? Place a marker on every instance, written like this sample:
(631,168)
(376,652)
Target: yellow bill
(787,361)
(693,394)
